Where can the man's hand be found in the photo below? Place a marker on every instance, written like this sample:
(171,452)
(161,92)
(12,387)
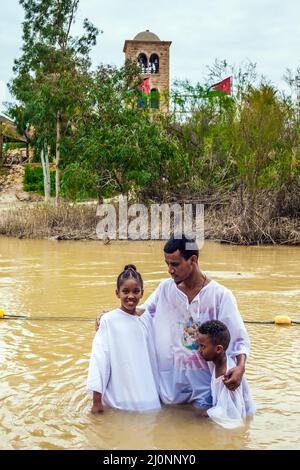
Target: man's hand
(233,377)
(97,322)
(139,311)
(98,318)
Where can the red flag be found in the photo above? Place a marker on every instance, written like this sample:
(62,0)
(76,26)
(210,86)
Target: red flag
(144,87)
(224,86)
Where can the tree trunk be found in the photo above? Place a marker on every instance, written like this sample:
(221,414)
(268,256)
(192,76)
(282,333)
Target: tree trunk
(46,173)
(57,159)
(1,142)
(27,146)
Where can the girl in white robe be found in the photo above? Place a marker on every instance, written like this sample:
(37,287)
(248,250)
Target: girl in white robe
(230,408)
(123,370)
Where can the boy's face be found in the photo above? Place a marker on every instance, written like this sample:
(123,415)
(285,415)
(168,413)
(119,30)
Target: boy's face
(207,349)
(178,267)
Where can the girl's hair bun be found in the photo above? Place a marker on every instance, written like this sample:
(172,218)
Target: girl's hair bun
(130,267)
(129,272)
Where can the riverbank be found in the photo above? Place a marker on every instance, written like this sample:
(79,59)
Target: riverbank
(230,217)
(223,223)
(46,221)
(230,225)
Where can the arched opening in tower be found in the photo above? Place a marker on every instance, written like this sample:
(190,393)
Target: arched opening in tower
(154,63)
(143,62)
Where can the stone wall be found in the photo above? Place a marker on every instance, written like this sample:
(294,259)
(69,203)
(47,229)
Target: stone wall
(160,80)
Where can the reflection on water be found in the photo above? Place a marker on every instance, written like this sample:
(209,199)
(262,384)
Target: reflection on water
(44,363)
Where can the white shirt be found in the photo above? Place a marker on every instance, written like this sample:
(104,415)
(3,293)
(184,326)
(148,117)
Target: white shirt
(123,364)
(229,408)
(184,375)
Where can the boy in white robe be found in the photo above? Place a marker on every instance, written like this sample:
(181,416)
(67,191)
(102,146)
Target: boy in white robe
(123,370)
(229,407)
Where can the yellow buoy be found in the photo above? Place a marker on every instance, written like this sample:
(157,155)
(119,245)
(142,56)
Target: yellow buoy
(282,320)
(2,313)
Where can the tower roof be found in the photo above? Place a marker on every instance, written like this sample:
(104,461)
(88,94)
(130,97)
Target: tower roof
(146,36)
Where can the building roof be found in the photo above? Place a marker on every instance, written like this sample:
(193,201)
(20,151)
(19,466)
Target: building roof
(9,130)
(6,120)
(146,36)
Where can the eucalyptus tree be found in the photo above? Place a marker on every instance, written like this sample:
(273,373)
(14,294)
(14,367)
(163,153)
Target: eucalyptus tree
(120,148)
(52,74)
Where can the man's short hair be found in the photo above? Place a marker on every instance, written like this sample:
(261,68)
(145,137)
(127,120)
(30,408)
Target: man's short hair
(181,244)
(217,331)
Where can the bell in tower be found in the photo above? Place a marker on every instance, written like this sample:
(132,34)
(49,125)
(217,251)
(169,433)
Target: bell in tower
(152,56)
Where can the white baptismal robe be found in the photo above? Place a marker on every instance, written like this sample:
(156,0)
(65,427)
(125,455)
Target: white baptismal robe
(123,362)
(184,375)
(230,408)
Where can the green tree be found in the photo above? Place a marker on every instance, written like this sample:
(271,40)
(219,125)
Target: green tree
(52,75)
(265,142)
(203,124)
(246,146)
(126,148)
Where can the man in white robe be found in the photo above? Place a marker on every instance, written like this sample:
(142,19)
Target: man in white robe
(178,306)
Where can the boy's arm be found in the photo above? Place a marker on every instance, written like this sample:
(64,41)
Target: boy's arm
(239,346)
(228,409)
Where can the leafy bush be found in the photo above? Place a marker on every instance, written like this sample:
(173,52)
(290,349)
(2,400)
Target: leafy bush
(78,183)
(34,179)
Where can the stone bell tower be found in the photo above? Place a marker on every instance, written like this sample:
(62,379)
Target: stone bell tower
(152,55)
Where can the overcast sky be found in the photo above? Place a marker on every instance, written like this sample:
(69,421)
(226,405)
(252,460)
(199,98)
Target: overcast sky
(264,31)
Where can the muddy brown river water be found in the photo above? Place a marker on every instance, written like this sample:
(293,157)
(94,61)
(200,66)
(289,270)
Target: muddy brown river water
(43,362)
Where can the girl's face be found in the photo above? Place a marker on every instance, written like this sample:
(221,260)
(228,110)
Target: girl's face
(130,293)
